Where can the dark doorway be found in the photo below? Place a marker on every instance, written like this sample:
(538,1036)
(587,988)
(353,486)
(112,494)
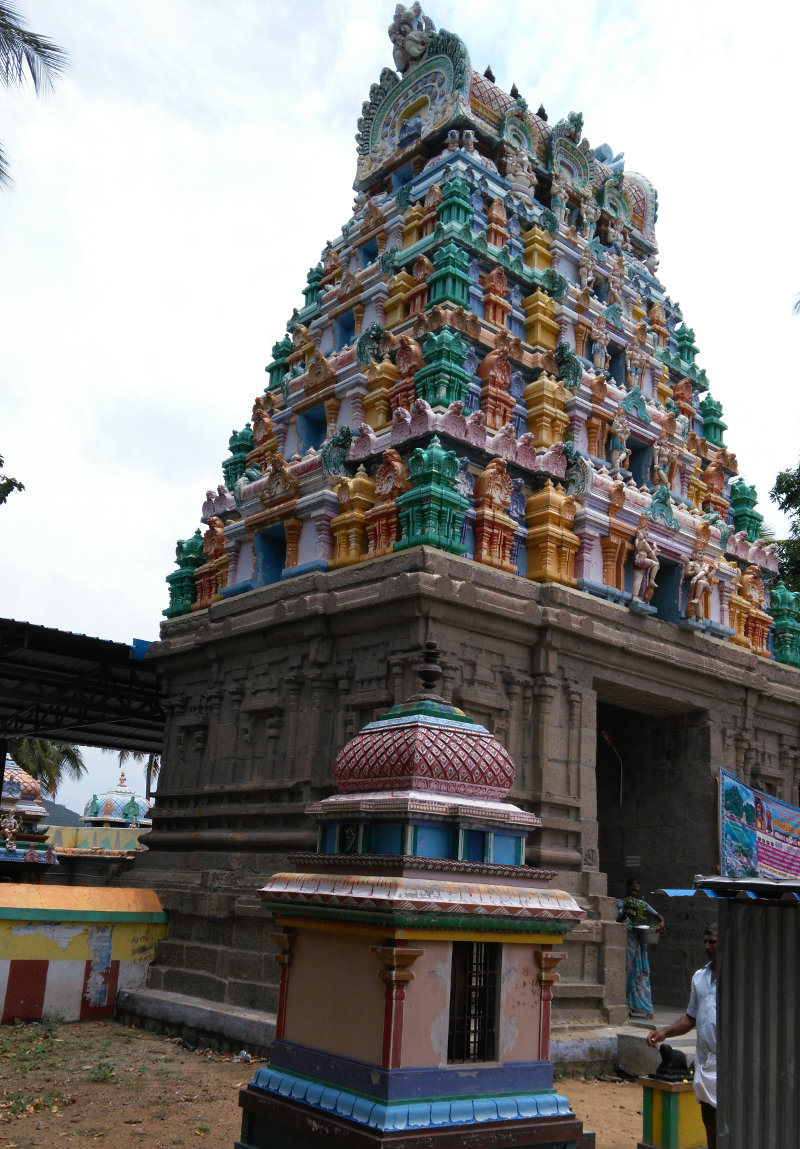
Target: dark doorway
(657,821)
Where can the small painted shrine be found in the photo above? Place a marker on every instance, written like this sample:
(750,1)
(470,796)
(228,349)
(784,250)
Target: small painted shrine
(117,807)
(416,951)
(487,363)
(113,824)
(23,835)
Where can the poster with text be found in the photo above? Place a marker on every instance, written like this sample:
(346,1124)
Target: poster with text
(759,834)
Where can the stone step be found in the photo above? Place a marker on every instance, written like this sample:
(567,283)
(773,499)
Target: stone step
(202,1023)
(604,1049)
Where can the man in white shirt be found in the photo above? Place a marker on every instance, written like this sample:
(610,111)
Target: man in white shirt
(701,1012)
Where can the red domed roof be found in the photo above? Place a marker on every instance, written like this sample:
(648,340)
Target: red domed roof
(29,788)
(425,744)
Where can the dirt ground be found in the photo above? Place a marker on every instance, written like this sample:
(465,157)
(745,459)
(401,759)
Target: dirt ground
(120,1087)
(610,1109)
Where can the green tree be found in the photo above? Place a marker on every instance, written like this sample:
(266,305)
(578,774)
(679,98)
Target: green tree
(786,493)
(7,484)
(23,53)
(49,762)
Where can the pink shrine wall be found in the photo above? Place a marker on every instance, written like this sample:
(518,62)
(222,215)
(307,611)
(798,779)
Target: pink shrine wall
(520,1005)
(426,1014)
(336,1000)
(335,997)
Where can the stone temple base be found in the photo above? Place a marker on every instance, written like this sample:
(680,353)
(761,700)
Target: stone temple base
(270,1122)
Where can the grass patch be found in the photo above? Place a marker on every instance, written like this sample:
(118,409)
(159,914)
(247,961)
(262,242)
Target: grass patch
(102,1072)
(16,1103)
(32,1046)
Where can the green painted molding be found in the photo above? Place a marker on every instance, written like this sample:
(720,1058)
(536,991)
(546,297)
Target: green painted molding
(15,913)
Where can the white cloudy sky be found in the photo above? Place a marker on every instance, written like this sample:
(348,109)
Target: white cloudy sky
(170,196)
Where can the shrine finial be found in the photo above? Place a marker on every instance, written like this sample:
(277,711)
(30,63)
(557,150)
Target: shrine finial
(429,670)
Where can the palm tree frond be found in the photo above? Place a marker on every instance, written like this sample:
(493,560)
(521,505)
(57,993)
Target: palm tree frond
(48,762)
(22,51)
(125,755)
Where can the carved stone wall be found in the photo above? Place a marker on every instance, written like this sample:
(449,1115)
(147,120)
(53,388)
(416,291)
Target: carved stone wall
(263,689)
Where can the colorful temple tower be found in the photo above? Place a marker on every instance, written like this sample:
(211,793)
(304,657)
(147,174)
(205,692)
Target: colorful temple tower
(432,1015)
(25,851)
(489,331)
(117,807)
(486,421)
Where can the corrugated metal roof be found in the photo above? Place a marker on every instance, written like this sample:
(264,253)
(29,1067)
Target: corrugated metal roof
(736,887)
(73,688)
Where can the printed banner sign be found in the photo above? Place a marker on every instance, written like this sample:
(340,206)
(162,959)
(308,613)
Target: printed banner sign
(759,834)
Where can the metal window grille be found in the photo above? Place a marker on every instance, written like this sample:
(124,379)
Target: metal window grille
(474,998)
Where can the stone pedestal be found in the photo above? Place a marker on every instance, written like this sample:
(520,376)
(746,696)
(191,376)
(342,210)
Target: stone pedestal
(281,1123)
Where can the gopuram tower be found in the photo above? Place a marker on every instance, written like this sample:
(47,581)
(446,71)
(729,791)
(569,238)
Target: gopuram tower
(486,426)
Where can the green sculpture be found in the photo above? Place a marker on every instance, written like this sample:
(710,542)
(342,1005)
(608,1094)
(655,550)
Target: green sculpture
(443,380)
(450,280)
(130,811)
(432,512)
(239,445)
(182,591)
(713,426)
(745,516)
(455,206)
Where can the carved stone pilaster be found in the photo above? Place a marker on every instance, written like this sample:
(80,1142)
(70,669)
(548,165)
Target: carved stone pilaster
(515,686)
(544,691)
(293,685)
(344,684)
(397,666)
(574,739)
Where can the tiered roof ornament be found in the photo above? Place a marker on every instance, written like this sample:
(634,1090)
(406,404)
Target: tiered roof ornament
(487,363)
(117,807)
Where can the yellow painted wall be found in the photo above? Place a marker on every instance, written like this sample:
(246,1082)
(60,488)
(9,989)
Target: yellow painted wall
(53,922)
(80,899)
(117,838)
(70,941)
